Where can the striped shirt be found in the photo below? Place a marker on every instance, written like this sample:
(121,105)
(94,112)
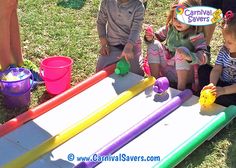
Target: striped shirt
(228,66)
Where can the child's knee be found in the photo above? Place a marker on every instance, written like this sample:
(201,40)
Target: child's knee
(182,65)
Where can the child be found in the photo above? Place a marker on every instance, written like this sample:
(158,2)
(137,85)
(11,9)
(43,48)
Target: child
(185,46)
(119,24)
(222,77)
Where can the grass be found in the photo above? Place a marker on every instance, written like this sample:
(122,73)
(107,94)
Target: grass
(51,29)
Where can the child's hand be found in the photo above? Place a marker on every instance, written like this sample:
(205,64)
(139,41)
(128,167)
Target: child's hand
(217,91)
(149,33)
(182,54)
(220,91)
(104,51)
(127,52)
(207,95)
(211,87)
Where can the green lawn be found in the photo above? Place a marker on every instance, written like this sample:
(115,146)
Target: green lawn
(50,29)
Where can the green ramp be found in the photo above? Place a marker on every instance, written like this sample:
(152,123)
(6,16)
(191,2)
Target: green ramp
(206,132)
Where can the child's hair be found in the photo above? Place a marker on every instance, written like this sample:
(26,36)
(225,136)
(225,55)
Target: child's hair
(185,3)
(229,23)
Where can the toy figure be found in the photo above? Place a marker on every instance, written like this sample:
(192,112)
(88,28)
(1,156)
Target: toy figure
(122,67)
(161,85)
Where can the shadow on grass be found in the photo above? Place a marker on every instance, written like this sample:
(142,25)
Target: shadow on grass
(73,4)
(45,97)
(7,113)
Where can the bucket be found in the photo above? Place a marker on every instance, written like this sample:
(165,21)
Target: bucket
(16,91)
(56,72)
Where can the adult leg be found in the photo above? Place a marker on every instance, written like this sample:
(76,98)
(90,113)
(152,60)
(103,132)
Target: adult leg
(208,32)
(6,8)
(15,37)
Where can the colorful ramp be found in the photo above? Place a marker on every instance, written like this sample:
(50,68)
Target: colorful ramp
(50,104)
(80,125)
(164,137)
(208,130)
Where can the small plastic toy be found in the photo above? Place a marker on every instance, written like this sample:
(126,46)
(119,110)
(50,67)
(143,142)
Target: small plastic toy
(10,77)
(13,76)
(207,97)
(161,85)
(122,67)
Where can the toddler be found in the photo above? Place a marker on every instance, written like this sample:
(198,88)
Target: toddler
(221,78)
(184,46)
(119,24)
